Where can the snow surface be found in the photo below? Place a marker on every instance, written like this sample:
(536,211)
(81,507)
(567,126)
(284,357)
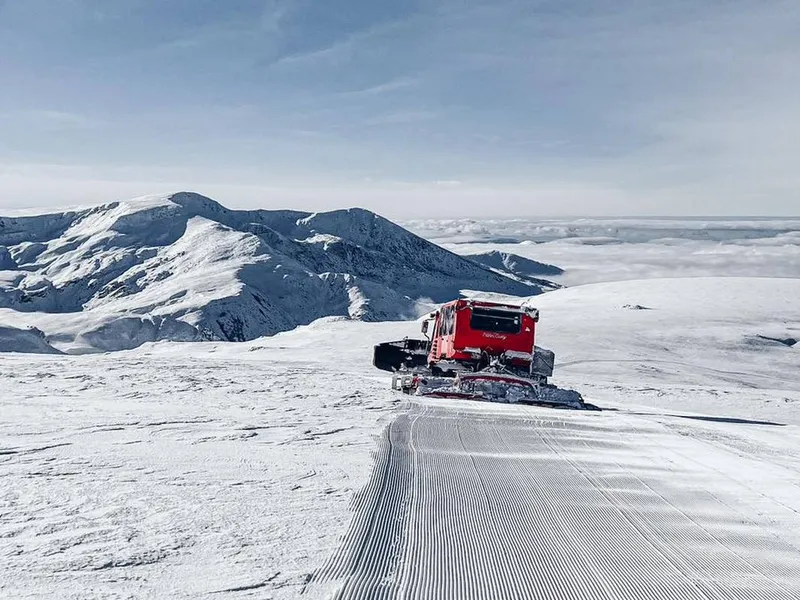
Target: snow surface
(184,268)
(489,501)
(183,470)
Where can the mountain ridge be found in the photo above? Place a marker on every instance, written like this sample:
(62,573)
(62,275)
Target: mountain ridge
(182,266)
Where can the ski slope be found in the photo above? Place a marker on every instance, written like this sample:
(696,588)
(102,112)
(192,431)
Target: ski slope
(264,469)
(491,501)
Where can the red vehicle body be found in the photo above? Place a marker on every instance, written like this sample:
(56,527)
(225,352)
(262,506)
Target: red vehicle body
(473,333)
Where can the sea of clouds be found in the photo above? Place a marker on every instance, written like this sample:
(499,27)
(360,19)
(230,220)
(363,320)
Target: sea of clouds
(592,250)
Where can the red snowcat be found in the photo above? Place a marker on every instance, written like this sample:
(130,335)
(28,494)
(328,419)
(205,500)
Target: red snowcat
(477,350)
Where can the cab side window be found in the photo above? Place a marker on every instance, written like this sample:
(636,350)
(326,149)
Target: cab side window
(447,320)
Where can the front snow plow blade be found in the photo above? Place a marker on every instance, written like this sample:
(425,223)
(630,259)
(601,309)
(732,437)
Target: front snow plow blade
(402,354)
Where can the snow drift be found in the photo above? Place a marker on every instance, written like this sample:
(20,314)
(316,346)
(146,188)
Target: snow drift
(183,267)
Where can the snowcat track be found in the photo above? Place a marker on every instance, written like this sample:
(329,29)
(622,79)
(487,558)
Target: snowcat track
(543,403)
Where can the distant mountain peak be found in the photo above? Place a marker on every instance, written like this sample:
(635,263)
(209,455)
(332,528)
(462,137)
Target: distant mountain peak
(515,264)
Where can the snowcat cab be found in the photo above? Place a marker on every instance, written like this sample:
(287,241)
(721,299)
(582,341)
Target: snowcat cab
(471,335)
(476,349)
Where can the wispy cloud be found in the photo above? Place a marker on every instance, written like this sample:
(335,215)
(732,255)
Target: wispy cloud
(386,87)
(273,14)
(341,48)
(402,117)
(49,118)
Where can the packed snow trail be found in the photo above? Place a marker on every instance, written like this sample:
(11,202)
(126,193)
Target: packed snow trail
(495,501)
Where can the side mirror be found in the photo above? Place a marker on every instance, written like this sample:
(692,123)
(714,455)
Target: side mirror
(425,327)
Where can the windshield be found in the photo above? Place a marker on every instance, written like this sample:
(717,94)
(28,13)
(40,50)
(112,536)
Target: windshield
(500,321)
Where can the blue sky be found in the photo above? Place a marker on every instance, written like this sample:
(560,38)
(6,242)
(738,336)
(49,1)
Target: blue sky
(436,108)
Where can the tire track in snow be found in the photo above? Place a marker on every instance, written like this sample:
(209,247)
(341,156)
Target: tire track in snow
(492,501)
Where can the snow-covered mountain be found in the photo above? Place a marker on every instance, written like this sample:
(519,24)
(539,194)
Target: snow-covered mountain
(183,267)
(519,267)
